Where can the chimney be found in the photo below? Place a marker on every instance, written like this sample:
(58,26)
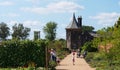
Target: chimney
(79,21)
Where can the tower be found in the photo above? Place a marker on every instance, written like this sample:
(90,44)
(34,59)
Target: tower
(73,33)
(36,35)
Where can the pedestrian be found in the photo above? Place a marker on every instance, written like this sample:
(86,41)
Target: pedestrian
(53,55)
(73,57)
(84,54)
(78,53)
(58,61)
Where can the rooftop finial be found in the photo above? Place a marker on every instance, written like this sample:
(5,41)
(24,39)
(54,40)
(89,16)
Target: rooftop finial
(73,15)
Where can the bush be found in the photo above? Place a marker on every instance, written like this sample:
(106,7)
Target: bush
(52,65)
(89,57)
(15,53)
(96,59)
(88,47)
(103,61)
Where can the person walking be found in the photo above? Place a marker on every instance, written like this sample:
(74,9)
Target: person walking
(53,55)
(58,61)
(73,57)
(84,54)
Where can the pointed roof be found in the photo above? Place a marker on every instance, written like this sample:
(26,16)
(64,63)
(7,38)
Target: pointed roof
(73,23)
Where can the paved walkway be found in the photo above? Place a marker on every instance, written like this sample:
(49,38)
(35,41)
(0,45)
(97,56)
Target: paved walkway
(80,64)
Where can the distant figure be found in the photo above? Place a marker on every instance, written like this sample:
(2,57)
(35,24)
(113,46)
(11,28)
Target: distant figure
(78,53)
(84,54)
(73,57)
(58,60)
(53,55)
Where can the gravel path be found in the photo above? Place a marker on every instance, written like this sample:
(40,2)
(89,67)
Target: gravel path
(80,64)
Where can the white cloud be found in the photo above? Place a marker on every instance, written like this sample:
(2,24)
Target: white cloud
(58,7)
(106,19)
(33,24)
(6,3)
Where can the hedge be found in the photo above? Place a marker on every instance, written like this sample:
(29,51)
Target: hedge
(16,53)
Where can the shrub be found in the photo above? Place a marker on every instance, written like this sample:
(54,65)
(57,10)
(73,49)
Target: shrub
(15,53)
(88,47)
(52,65)
(103,60)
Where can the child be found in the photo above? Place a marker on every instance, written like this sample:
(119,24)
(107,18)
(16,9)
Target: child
(73,57)
(58,60)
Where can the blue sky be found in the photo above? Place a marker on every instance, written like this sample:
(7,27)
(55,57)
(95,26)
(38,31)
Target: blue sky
(36,13)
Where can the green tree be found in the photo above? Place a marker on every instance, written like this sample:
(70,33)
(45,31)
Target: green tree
(50,31)
(102,33)
(116,33)
(4,31)
(20,32)
(117,24)
(109,41)
(87,28)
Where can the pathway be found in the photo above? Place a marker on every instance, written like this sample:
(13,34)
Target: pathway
(80,64)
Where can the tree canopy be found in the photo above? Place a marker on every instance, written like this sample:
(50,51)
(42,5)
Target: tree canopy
(4,31)
(50,31)
(108,44)
(87,28)
(20,32)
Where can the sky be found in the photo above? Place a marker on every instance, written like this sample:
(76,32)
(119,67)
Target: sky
(34,14)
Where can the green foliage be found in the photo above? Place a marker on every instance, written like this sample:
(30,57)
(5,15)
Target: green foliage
(16,53)
(88,47)
(4,31)
(58,44)
(50,31)
(59,47)
(97,59)
(87,28)
(110,59)
(20,32)
(117,24)
(52,65)
(96,42)
(20,68)
(113,55)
